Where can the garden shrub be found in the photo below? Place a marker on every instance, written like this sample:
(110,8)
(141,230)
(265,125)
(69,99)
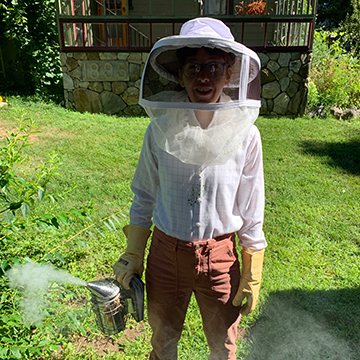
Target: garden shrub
(31,26)
(23,189)
(335,75)
(313,95)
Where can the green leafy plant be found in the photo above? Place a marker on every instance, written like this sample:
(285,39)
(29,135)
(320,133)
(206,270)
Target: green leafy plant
(335,74)
(349,29)
(31,26)
(313,95)
(23,188)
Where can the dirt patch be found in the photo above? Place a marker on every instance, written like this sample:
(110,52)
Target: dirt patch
(42,133)
(103,344)
(241,333)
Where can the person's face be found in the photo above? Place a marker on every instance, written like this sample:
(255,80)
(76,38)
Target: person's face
(202,88)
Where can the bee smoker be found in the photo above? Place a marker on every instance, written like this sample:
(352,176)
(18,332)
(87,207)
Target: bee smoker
(111,303)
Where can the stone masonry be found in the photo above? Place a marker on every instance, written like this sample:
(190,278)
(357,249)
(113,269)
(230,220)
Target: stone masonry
(284,82)
(109,82)
(105,82)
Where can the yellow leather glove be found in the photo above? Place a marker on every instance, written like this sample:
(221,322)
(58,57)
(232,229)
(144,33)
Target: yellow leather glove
(132,261)
(250,281)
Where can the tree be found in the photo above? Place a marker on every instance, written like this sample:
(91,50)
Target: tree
(331,13)
(349,31)
(31,26)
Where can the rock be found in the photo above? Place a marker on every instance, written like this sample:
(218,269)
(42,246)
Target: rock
(293,88)
(295,56)
(281,73)
(295,66)
(273,66)
(93,56)
(87,101)
(135,58)
(96,86)
(134,71)
(118,87)
(264,59)
(107,85)
(263,109)
(305,70)
(336,112)
(297,78)
(351,113)
(138,83)
(122,55)
(284,59)
(76,73)
(273,56)
(266,76)
(296,105)
(84,84)
(112,103)
(284,83)
(317,111)
(63,58)
(144,57)
(80,56)
(270,105)
(270,90)
(131,95)
(108,56)
(68,82)
(281,103)
(134,110)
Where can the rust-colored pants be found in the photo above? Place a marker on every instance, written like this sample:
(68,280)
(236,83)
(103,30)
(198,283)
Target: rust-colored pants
(176,269)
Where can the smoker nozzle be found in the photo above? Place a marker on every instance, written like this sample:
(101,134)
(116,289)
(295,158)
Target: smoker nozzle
(104,289)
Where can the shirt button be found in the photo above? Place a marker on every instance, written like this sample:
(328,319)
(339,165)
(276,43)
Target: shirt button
(198,224)
(199,200)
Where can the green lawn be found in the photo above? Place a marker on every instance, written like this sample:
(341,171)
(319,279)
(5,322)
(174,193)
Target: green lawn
(310,300)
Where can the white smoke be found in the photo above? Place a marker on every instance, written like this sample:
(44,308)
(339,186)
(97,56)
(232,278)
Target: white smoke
(287,332)
(34,280)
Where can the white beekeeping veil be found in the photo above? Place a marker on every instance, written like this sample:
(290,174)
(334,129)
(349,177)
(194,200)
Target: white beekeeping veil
(174,122)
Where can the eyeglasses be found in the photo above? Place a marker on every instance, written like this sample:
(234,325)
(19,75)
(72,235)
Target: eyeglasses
(213,69)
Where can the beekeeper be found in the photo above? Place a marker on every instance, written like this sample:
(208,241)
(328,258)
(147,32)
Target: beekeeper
(199,181)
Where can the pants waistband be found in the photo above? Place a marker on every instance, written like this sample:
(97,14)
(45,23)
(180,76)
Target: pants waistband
(192,245)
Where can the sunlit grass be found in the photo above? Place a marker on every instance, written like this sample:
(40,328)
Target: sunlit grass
(309,306)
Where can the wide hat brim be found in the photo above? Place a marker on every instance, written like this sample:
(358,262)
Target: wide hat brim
(165,62)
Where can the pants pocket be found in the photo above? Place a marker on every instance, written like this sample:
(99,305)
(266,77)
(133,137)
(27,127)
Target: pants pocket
(161,273)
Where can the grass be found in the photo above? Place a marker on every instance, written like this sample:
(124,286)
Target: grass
(309,306)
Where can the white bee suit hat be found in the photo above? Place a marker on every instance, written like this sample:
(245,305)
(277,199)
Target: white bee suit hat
(174,124)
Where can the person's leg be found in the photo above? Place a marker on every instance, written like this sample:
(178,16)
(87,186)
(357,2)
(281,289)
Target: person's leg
(168,294)
(216,286)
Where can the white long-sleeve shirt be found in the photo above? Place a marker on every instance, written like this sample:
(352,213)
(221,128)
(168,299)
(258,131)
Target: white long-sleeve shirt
(192,203)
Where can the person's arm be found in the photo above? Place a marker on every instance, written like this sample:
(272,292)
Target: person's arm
(251,202)
(144,187)
(145,184)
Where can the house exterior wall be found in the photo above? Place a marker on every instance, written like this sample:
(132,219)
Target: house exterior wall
(106,82)
(109,82)
(284,82)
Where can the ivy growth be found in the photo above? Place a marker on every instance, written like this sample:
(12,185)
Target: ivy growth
(31,26)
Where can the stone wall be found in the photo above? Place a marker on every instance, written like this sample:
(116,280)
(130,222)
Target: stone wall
(109,82)
(284,82)
(105,82)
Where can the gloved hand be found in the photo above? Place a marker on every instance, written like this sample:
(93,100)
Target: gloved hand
(132,261)
(250,281)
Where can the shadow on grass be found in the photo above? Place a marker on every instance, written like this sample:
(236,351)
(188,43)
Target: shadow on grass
(345,155)
(308,325)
